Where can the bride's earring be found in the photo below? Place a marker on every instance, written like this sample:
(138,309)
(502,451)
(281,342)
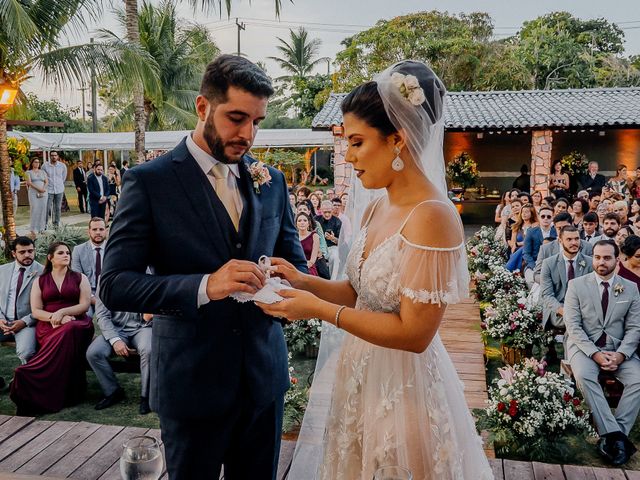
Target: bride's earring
(397,163)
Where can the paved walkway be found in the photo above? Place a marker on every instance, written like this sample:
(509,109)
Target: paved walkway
(23,228)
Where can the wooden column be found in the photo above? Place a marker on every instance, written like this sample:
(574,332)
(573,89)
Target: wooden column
(541,148)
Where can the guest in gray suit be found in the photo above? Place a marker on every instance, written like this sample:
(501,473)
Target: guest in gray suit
(602,314)
(87,257)
(16,279)
(560,221)
(556,273)
(121,331)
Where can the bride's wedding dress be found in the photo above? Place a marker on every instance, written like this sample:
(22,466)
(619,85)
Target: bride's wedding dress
(392,407)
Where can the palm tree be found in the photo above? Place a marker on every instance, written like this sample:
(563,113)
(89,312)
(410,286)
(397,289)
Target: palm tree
(181,53)
(298,54)
(133,36)
(30,41)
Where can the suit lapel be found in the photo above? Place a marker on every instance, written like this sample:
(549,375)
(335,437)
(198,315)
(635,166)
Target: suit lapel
(252,211)
(27,281)
(595,297)
(612,299)
(213,216)
(562,271)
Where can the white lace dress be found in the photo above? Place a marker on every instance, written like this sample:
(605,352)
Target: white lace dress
(391,407)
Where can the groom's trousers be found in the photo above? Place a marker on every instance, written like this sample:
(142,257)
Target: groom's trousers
(246,440)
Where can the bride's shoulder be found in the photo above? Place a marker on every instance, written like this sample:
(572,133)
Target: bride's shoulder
(366,215)
(434,224)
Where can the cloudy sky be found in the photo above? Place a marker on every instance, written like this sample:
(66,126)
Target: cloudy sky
(333,20)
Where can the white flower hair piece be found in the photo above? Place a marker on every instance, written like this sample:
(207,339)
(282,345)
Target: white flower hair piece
(409,88)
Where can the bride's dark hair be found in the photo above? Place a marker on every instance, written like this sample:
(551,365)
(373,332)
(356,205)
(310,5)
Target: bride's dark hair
(365,101)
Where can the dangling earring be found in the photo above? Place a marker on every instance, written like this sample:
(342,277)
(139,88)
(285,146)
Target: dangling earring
(397,164)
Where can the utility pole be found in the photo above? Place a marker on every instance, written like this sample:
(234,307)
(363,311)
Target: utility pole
(94,100)
(84,110)
(241,26)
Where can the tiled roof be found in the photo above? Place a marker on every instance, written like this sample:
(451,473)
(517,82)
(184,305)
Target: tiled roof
(596,107)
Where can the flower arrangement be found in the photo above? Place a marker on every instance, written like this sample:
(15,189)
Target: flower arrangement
(302,333)
(259,175)
(463,170)
(499,282)
(514,321)
(484,252)
(295,402)
(409,87)
(19,154)
(529,410)
(575,163)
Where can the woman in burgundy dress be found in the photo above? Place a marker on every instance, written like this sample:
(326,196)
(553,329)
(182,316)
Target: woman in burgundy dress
(55,377)
(630,268)
(309,240)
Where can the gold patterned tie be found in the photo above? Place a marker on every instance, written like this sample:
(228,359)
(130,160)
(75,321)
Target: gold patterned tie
(226,194)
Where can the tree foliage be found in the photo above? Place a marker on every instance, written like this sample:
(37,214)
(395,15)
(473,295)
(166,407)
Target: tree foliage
(33,108)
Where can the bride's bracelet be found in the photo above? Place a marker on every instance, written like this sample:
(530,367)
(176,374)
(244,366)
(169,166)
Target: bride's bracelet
(337,318)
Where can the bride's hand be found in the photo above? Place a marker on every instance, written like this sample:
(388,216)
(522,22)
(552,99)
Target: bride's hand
(283,269)
(297,305)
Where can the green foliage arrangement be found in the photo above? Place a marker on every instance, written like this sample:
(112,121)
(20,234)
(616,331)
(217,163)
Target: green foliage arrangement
(463,170)
(295,402)
(19,154)
(72,236)
(301,334)
(575,163)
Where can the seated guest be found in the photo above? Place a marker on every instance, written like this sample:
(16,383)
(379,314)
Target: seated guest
(323,266)
(634,208)
(636,226)
(630,267)
(303,193)
(621,208)
(589,226)
(16,278)
(579,209)
(594,201)
(621,236)
(602,315)
(610,227)
(536,199)
(526,219)
(55,376)
(525,198)
(557,271)
(88,256)
(120,331)
(620,183)
(504,205)
(560,205)
(584,195)
(516,205)
(553,248)
(339,205)
(533,241)
(309,240)
(592,181)
(548,201)
(332,227)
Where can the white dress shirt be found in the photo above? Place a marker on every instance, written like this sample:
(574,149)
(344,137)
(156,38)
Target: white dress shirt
(101,185)
(206,163)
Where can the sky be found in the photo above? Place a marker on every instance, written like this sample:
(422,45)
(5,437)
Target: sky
(334,20)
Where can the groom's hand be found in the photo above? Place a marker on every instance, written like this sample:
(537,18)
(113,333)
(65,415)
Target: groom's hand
(235,276)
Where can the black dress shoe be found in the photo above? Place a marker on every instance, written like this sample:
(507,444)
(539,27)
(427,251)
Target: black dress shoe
(603,448)
(620,453)
(144,406)
(110,400)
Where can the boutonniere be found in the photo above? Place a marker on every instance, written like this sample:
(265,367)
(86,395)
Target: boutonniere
(617,289)
(259,175)
(409,87)
(582,263)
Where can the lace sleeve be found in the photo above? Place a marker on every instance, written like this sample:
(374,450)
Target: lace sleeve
(433,275)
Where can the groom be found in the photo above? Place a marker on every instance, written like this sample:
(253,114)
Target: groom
(198,217)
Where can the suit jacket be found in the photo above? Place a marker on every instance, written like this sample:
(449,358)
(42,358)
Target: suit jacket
(24,295)
(585,323)
(553,284)
(112,323)
(532,242)
(589,184)
(83,259)
(79,178)
(597,238)
(553,248)
(170,218)
(94,187)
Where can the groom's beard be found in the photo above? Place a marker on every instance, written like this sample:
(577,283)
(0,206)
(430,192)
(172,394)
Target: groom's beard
(217,146)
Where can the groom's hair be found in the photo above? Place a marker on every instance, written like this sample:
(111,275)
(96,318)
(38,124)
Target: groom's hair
(231,70)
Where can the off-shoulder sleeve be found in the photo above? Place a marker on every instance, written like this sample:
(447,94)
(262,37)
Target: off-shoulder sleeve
(433,275)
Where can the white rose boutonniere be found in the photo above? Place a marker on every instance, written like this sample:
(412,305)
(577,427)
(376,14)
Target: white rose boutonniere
(259,175)
(582,263)
(617,289)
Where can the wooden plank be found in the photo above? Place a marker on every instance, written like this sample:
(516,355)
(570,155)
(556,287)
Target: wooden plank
(517,470)
(84,451)
(577,472)
(18,476)
(632,474)
(496,467)
(25,453)
(4,418)
(547,471)
(13,425)
(49,456)
(608,474)
(287,448)
(23,437)
(108,455)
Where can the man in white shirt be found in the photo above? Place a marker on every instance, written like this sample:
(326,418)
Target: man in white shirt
(56,171)
(16,279)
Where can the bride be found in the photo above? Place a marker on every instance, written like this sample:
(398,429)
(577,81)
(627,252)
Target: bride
(396,397)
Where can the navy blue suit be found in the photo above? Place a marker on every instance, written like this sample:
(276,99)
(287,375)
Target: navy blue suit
(218,372)
(532,242)
(97,209)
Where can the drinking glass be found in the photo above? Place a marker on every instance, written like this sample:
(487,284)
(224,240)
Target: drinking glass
(141,459)
(392,472)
